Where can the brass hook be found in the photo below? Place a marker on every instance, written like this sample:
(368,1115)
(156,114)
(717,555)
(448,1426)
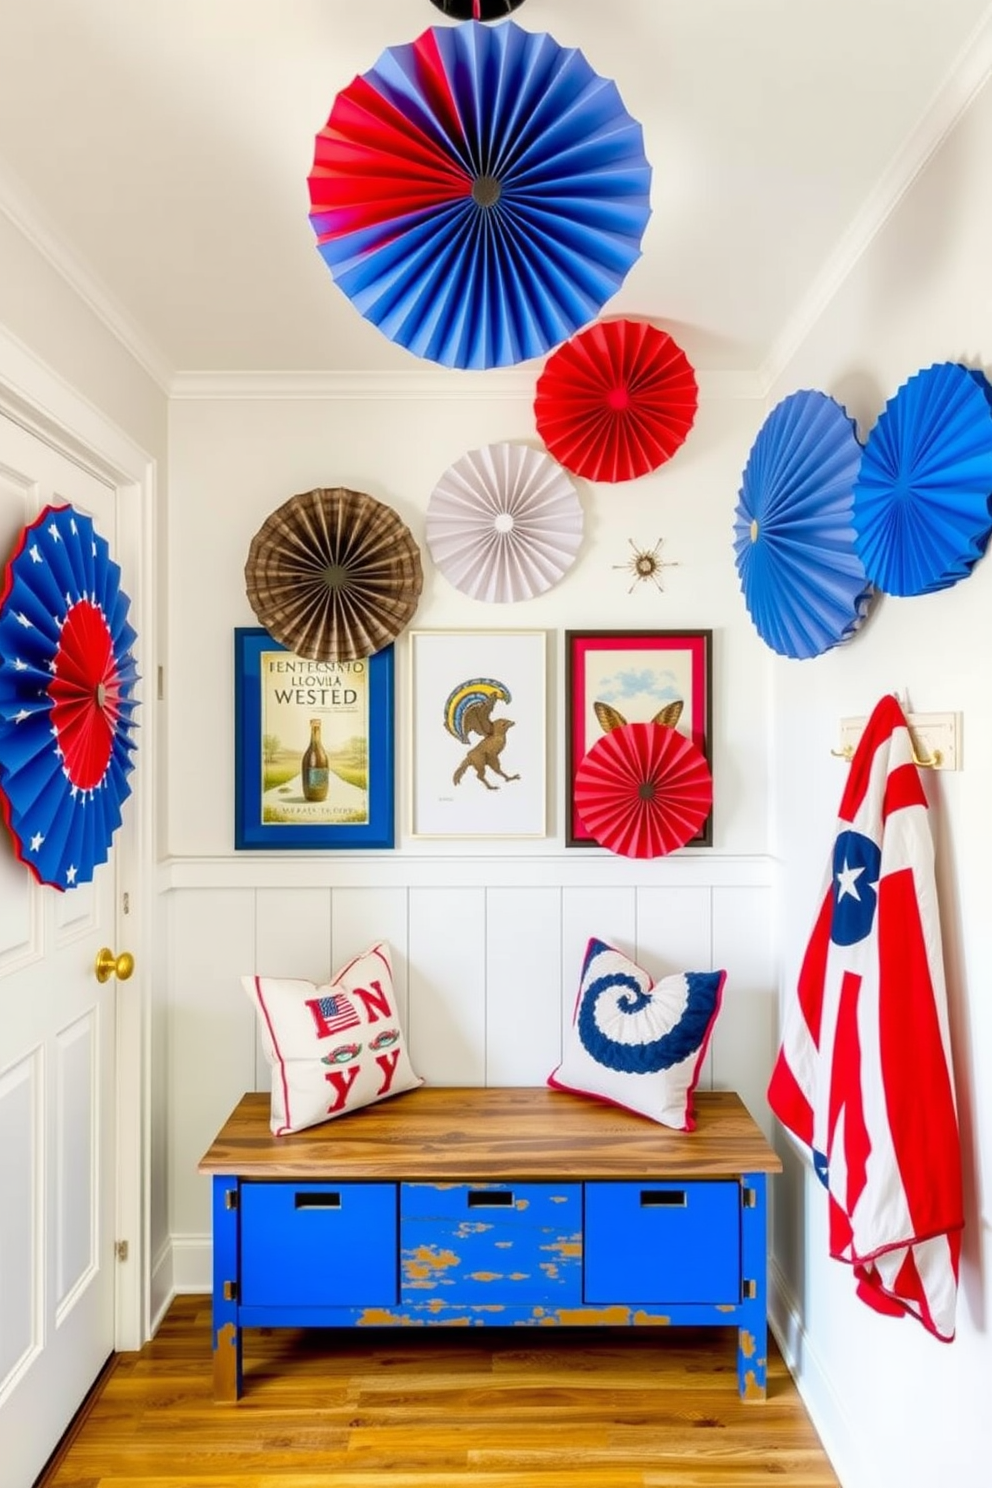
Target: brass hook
(933,762)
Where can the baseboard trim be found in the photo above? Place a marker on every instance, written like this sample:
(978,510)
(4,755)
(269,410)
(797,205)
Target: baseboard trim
(183,1266)
(812,1381)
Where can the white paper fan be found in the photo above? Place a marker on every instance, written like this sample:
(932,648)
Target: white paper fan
(504,523)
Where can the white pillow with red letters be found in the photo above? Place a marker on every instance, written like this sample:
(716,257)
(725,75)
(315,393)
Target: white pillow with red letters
(332,1048)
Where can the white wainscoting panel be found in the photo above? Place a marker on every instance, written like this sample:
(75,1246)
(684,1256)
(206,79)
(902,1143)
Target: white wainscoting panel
(21,1184)
(447,1009)
(362,916)
(744,1040)
(674,929)
(292,939)
(523,985)
(675,933)
(76,1178)
(211,1036)
(608,914)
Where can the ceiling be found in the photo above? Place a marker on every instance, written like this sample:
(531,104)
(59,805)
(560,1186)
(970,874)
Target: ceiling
(158,152)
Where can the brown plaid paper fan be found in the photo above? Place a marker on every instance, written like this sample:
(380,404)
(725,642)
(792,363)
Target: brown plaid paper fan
(333,574)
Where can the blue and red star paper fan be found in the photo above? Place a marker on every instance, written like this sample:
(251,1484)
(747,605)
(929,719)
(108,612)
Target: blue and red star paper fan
(479,194)
(67,677)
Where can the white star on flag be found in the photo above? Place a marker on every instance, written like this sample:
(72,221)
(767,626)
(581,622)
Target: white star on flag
(23,620)
(19,665)
(70,874)
(847,881)
(35,554)
(20,717)
(56,535)
(72,526)
(36,841)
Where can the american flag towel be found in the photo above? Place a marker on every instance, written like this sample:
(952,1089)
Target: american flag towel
(864,1077)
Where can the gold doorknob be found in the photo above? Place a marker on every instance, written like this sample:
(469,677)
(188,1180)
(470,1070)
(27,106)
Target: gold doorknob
(108,965)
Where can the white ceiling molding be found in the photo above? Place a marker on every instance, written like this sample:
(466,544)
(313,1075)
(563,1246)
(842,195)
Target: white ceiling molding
(964,81)
(15,203)
(41,401)
(507,384)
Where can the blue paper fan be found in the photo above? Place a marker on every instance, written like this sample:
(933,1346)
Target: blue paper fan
(479,193)
(67,675)
(803,583)
(921,500)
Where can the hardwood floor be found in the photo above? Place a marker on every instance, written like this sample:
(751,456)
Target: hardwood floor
(590,1408)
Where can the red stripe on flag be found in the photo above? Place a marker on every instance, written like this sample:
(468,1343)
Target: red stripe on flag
(871,1290)
(788,1101)
(887,716)
(845,1096)
(903,787)
(785,1095)
(813,974)
(919,1095)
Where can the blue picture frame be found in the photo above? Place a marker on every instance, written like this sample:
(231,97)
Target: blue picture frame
(270,681)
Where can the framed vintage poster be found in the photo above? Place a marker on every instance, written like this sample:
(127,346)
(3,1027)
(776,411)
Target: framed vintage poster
(634,676)
(478,733)
(314,752)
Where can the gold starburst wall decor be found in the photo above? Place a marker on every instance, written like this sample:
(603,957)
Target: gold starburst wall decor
(646,563)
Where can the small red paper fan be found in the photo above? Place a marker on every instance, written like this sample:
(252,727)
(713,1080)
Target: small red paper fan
(643,790)
(616,401)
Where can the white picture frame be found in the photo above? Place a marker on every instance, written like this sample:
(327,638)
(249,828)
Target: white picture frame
(467,688)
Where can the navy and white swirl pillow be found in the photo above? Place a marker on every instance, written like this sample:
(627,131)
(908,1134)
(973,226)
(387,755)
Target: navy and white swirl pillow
(636,1042)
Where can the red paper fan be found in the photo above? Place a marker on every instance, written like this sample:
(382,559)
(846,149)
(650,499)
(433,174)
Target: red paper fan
(643,790)
(616,401)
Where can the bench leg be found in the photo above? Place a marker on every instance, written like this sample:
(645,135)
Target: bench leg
(752,1334)
(226,1329)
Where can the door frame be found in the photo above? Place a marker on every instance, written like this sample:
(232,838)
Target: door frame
(37,399)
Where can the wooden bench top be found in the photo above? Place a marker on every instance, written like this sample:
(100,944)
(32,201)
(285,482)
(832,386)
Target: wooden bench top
(474,1133)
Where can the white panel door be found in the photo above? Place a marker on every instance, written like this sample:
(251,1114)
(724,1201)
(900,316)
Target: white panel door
(57,1080)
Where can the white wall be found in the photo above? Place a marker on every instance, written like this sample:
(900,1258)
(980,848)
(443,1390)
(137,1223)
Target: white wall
(489,935)
(894,1406)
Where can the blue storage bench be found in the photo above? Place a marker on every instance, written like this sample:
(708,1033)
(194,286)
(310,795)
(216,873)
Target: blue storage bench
(505,1207)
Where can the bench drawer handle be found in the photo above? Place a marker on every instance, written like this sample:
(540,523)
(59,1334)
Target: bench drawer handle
(663,1198)
(317,1201)
(494,1198)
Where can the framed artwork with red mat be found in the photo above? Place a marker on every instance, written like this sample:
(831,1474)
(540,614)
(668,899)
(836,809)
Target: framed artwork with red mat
(615,678)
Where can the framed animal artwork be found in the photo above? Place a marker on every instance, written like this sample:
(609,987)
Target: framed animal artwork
(613,677)
(478,733)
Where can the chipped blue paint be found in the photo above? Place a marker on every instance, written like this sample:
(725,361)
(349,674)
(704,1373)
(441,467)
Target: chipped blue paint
(502,1259)
(487,1261)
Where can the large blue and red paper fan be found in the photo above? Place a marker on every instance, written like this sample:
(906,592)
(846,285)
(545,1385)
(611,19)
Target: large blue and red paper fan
(67,677)
(921,500)
(803,582)
(479,194)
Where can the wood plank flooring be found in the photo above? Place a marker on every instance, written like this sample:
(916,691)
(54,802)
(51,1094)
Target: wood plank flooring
(590,1408)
